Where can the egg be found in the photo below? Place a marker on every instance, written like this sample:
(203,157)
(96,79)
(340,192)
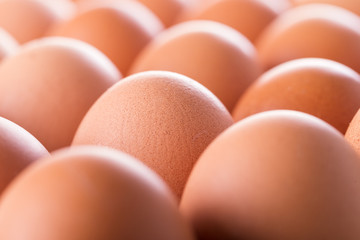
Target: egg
(352,134)
(279,5)
(8,44)
(119,30)
(49,84)
(90,193)
(215,55)
(314,30)
(162,118)
(249,17)
(352,5)
(321,87)
(27,20)
(18,149)
(275,175)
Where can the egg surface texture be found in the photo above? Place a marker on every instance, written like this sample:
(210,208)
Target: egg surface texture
(321,87)
(49,84)
(18,149)
(216,55)
(277,175)
(162,118)
(314,30)
(352,134)
(90,193)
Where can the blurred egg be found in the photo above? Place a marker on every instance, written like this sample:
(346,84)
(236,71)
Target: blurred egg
(276,175)
(119,30)
(90,193)
(18,149)
(216,55)
(279,5)
(26,20)
(352,134)
(352,5)
(162,118)
(167,10)
(8,45)
(321,87)
(249,17)
(314,30)
(49,84)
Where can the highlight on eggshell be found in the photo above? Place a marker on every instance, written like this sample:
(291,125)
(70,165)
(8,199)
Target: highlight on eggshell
(119,29)
(18,150)
(90,193)
(50,83)
(352,5)
(275,175)
(212,53)
(321,87)
(8,44)
(313,30)
(162,118)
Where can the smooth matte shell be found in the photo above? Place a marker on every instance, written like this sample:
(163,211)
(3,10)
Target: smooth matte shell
(315,30)
(352,5)
(49,84)
(90,193)
(352,134)
(18,149)
(215,55)
(249,17)
(162,118)
(321,87)
(120,30)
(277,175)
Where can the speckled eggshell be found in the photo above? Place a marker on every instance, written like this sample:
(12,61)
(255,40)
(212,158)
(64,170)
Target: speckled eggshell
(120,30)
(26,20)
(352,134)
(49,84)
(314,30)
(249,17)
(18,149)
(162,118)
(212,53)
(90,193)
(275,175)
(324,88)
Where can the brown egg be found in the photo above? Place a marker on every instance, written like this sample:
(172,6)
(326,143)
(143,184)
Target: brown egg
(90,193)
(321,87)
(120,30)
(315,30)
(167,10)
(352,5)
(352,134)
(26,20)
(8,45)
(162,118)
(278,5)
(277,175)
(18,149)
(48,86)
(249,17)
(217,56)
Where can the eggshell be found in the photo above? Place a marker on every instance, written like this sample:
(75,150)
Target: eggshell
(321,87)
(279,5)
(90,193)
(8,44)
(48,86)
(352,5)
(26,20)
(18,149)
(314,30)
(249,17)
(216,55)
(352,134)
(119,30)
(162,118)
(275,175)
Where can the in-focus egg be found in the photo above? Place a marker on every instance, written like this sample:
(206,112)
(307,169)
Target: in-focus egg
(215,55)
(276,175)
(324,88)
(162,118)
(49,84)
(352,134)
(90,193)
